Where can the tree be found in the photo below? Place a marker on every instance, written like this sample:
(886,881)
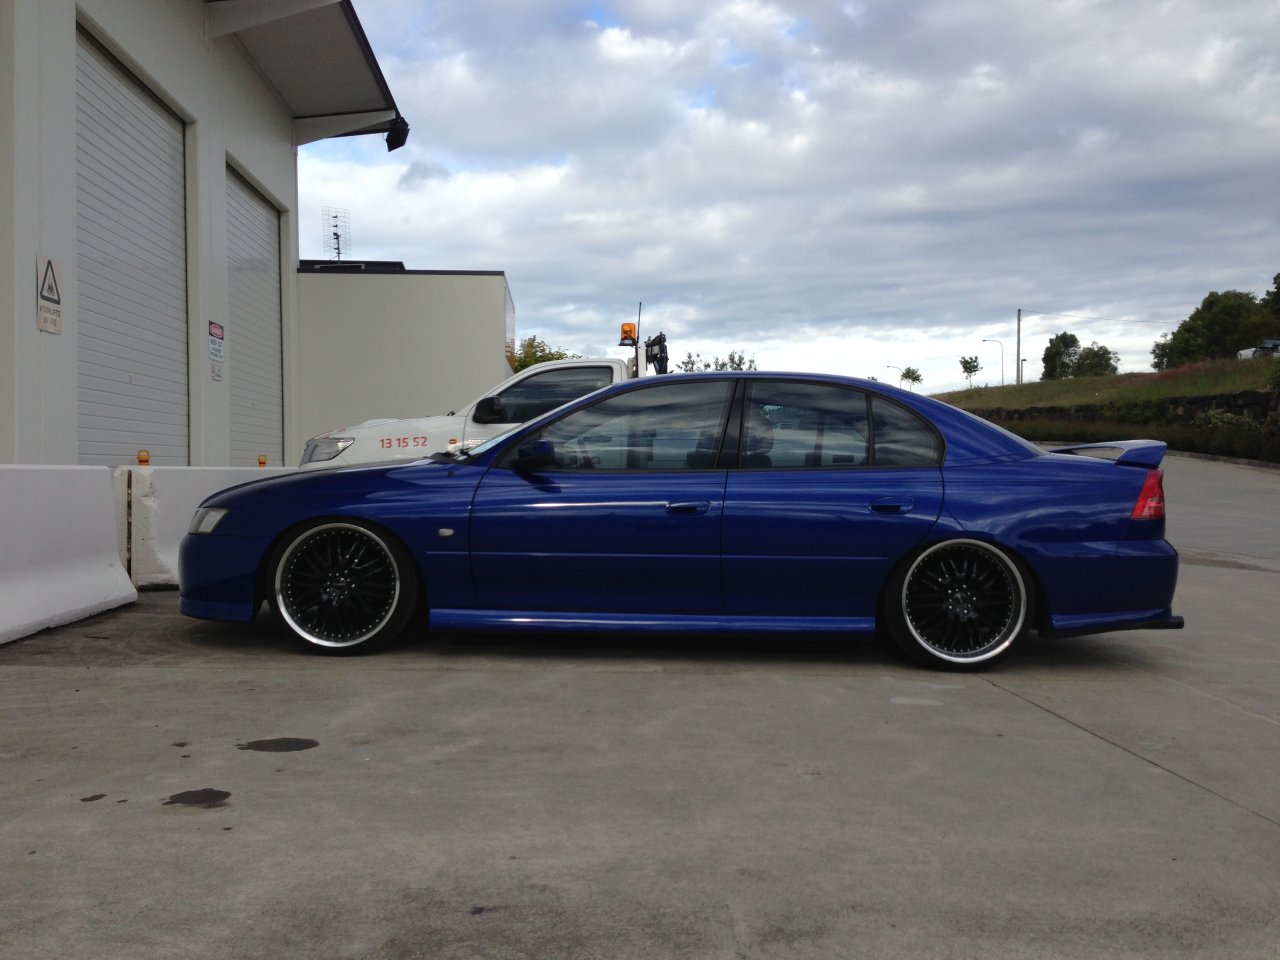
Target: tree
(532,350)
(694,363)
(970,366)
(1271,300)
(1222,325)
(912,376)
(1060,356)
(1096,360)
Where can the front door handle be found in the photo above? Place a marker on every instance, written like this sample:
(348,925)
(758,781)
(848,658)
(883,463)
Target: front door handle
(892,505)
(688,506)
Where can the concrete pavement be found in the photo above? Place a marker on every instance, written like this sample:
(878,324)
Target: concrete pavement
(171,788)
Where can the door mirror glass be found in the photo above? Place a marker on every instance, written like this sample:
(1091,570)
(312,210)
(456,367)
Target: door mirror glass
(489,410)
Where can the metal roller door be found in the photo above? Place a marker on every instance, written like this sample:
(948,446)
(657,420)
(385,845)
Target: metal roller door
(254,361)
(132,258)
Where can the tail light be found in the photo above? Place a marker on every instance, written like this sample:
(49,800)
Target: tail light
(1150,505)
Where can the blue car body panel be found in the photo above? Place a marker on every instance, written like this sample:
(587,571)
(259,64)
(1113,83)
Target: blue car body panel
(719,548)
(837,533)
(536,542)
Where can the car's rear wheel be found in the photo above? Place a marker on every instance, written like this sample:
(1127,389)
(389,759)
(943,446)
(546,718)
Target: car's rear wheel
(959,604)
(342,587)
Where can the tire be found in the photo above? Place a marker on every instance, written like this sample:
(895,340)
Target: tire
(342,587)
(959,604)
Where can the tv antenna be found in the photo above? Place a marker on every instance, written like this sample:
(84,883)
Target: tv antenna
(337,232)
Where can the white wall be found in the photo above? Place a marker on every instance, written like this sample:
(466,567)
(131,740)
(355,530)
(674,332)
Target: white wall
(59,556)
(232,116)
(396,345)
(37,215)
(75,541)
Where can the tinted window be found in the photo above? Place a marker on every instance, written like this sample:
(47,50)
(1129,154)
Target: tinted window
(804,425)
(536,394)
(670,426)
(901,438)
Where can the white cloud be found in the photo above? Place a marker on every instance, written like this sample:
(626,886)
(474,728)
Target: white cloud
(866,184)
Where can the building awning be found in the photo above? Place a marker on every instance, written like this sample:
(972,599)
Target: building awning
(315,55)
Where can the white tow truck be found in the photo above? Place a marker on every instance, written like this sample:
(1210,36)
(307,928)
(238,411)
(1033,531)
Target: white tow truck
(530,393)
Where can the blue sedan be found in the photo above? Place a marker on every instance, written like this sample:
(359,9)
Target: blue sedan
(725,502)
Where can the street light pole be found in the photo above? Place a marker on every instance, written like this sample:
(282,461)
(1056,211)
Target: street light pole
(1018,352)
(1001,358)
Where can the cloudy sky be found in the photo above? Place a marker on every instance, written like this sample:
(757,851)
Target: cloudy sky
(826,186)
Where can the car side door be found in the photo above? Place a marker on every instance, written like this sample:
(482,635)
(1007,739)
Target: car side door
(626,518)
(833,486)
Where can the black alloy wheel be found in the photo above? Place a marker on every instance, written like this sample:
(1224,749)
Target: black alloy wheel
(959,604)
(342,587)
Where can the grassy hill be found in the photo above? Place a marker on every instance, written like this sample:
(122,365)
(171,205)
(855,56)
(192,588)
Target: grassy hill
(1208,378)
(1223,407)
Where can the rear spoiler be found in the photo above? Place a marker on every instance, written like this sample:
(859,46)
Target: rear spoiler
(1138,453)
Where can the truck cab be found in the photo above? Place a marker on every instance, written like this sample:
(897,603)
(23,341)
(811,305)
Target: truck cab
(530,393)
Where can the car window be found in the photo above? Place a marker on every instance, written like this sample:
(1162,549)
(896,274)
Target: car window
(541,392)
(670,426)
(902,439)
(789,424)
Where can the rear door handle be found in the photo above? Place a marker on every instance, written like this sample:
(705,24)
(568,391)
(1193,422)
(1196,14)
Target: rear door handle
(892,505)
(688,506)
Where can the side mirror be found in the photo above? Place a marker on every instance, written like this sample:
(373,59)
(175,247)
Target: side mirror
(489,410)
(534,455)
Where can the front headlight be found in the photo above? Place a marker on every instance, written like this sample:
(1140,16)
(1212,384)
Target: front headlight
(319,449)
(206,519)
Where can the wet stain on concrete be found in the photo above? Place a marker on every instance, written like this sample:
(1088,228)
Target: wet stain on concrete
(207,798)
(90,799)
(279,745)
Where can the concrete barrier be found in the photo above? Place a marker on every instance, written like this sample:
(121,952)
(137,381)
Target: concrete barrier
(59,556)
(154,508)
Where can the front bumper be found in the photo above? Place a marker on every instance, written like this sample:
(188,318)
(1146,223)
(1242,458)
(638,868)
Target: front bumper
(218,576)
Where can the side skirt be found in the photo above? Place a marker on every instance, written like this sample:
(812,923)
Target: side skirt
(544,621)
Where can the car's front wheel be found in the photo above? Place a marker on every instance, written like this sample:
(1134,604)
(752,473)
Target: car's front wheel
(958,604)
(342,586)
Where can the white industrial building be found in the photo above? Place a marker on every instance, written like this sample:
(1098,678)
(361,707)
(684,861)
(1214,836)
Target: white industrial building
(149,292)
(380,340)
(149,283)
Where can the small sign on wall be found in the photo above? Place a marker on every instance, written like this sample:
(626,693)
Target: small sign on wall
(48,295)
(217,350)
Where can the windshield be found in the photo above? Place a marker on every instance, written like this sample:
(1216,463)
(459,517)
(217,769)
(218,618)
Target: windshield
(489,444)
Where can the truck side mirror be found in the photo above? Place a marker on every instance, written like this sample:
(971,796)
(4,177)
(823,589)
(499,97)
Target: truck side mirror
(489,410)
